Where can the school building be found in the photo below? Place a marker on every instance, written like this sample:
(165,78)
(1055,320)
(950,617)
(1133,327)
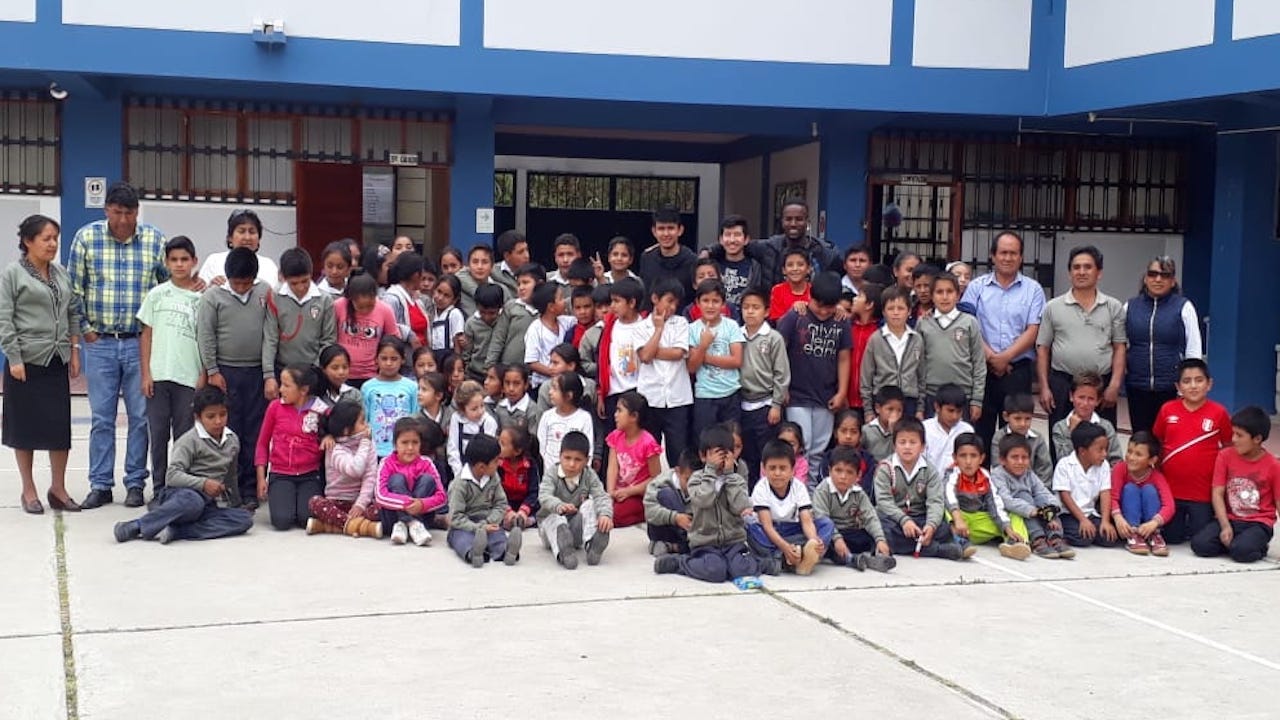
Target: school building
(1145,127)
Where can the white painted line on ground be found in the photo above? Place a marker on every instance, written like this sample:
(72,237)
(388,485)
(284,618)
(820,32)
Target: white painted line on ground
(1134,616)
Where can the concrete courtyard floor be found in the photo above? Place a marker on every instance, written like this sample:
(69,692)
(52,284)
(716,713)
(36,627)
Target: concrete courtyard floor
(283,625)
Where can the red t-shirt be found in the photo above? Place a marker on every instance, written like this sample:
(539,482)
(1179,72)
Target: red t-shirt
(862,333)
(1250,486)
(418,322)
(1191,440)
(782,299)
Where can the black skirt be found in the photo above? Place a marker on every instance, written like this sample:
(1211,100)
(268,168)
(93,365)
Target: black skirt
(37,412)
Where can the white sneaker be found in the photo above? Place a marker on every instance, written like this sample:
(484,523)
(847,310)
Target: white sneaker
(419,533)
(399,533)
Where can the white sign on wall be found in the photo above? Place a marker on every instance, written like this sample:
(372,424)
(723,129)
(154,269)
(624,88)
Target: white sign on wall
(379,199)
(484,220)
(95,192)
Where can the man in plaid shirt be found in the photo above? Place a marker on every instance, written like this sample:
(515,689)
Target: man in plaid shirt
(113,264)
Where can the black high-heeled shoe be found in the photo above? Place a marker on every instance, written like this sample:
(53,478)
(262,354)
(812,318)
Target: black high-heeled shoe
(32,507)
(58,503)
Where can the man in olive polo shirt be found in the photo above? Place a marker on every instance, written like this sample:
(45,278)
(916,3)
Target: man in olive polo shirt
(1082,331)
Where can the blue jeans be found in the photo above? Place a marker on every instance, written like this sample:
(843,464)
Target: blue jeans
(1139,503)
(112,368)
(792,532)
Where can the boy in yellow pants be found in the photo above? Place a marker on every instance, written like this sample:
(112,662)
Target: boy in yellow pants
(974,507)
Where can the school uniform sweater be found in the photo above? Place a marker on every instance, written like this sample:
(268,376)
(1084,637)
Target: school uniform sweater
(1041,462)
(506,344)
(479,335)
(474,502)
(468,284)
(195,457)
(1061,434)
(851,510)
(232,332)
(880,367)
(1022,494)
(420,470)
(296,331)
(717,503)
(556,490)
(766,371)
(901,497)
(351,471)
(954,354)
(655,513)
(974,494)
(290,438)
(509,414)
(877,441)
(589,351)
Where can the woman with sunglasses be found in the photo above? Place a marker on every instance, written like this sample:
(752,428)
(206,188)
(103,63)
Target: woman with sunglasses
(1163,329)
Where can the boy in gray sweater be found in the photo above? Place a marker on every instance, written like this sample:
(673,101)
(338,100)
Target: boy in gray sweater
(717,533)
(300,318)
(877,434)
(201,472)
(1019,411)
(859,542)
(765,377)
(506,346)
(231,332)
(666,506)
(478,331)
(1024,495)
(576,511)
(477,505)
(909,497)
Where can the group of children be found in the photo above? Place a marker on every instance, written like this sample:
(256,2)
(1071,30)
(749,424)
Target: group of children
(500,398)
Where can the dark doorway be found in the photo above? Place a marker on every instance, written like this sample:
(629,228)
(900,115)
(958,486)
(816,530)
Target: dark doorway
(329,204)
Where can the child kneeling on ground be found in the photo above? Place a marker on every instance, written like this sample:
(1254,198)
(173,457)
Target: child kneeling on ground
(859,540)
(201,474)
(1024,495)
(1244,487)
(977,513)
(719,503)
(410,491)
(477,505)
(786,529)
(909,498)
(666,506)
(576,511)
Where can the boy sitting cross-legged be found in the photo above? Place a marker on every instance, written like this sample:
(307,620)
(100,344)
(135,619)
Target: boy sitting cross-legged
(719,504)
(576,511)
(477,505)
(909,498)
(859,540)
(1025,496)
(201,473)
(977,513)
(787,529)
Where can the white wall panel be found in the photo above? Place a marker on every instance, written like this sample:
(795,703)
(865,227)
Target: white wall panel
(1124,259)
(742,192)
(16,208)
(206,225)
(984,34)
(18,10)
(855,32)
(1255,18)
(422,22)
(1102,30)
(797,163)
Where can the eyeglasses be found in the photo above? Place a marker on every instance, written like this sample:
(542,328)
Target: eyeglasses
(1154,274)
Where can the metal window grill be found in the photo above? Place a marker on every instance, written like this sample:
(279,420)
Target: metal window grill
(569,192)
(245,152)
(646,194)
(504,189)
(29,145)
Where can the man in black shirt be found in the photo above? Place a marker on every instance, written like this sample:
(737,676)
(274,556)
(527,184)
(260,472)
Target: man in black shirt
(668,258)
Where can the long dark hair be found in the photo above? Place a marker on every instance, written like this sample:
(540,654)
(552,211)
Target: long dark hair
(358,286)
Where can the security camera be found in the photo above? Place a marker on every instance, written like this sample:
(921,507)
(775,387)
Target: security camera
(57,92)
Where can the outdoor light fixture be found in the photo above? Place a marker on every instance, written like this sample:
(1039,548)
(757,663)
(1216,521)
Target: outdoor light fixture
(57,92)
(269,33)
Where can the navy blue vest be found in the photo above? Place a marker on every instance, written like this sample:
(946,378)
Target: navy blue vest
(1157,340)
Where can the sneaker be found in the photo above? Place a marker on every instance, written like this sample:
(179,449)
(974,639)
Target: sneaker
(515,538)
(127,530)
(478,545)
(967,551)
(658,549)
(949,551)
(1016,551)
(1043,549)
(881,563)
(770,565)
(809,558)
(399,533)
(595,548)
(1158,546)
(1065,551)
(567,556)
(419,533)
(313,526)
(666,564)
(1137,545)
(167,535)
(857,561)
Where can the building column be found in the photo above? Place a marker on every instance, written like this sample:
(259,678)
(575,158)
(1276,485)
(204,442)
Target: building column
(92,146)
(842,186)
(471,179)
(1243,331)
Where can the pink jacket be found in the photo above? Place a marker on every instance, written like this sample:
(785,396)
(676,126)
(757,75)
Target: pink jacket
(1120,476)
(290,438)
(351,471)
(413,472)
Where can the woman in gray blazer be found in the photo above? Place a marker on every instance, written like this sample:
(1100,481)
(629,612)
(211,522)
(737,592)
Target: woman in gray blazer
(40,320)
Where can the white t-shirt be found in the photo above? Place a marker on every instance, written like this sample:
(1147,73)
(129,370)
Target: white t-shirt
(781,509)
(216,264)
(939,445)
(665,383)
(1084,485)
(552,427)
(624,360)
(539,341)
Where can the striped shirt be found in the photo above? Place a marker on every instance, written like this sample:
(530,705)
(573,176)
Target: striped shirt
(113,277)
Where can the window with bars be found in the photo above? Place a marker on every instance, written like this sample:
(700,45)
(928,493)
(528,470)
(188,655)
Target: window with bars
(569,192)
(29,145)
(246,153)
(647,194)
(504,189)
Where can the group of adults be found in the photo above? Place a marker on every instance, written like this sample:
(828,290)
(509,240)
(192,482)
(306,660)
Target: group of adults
(54,318)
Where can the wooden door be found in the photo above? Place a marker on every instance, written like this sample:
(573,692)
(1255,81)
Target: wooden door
(330,206)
